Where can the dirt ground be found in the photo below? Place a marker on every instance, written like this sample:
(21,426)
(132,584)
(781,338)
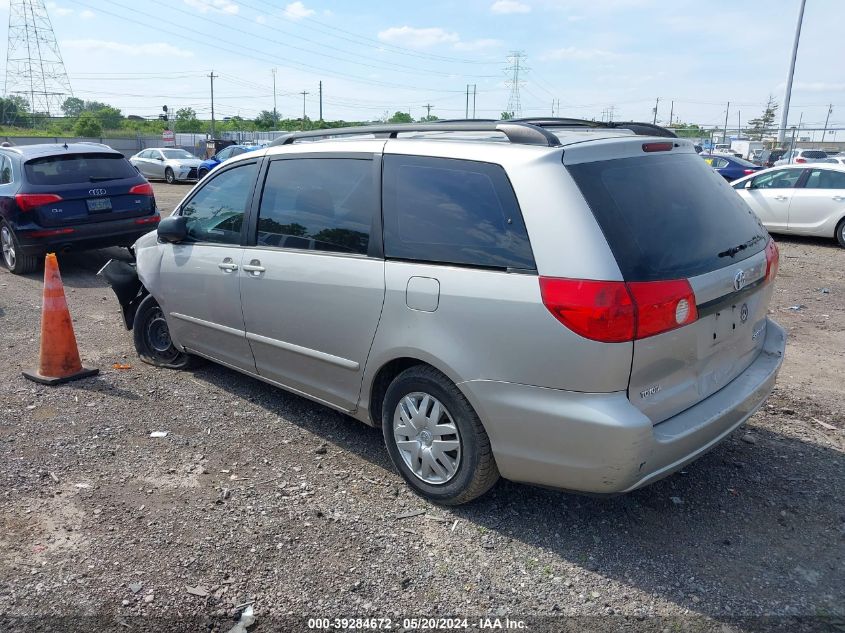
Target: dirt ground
(258,497)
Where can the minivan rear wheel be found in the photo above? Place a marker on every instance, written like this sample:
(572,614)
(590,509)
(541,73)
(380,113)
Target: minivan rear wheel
(152,338)
(15,261)
(840,233)
(435,438)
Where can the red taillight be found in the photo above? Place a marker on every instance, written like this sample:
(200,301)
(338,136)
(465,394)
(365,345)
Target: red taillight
(662,305)
(800,160)
(748,171)
(30,201)
(772,260)
(149,220)
(616,312)
(50,232)
(145,189)
(657,147)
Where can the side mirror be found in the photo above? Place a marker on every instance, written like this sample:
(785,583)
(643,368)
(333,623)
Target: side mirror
(173,229)
(160,159)
(749,184)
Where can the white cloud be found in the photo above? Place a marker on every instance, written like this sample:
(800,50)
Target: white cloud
(477,45)
(580,54)
(297,11)
(87,15)
(220,6)
(815,86)
(509,6)
(155,49)
(417,38)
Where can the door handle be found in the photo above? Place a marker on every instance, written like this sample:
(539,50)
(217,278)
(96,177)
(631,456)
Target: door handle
(780,197)
(838,198)
(227,265)
(254,267)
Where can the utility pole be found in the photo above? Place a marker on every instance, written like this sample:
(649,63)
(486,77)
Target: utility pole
(738,123)
(212,77)
(474,91)
(303,93)
(656,103)
(466,112)
(428,108)
(321,101)
(785,116)
(610,111)
(671,112)
(275,112)
(728,109)
(827,120)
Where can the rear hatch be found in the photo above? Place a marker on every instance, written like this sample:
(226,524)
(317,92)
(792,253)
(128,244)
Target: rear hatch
(89,187)
(668,217)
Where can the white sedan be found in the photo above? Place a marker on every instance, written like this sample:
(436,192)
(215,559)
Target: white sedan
(804,199)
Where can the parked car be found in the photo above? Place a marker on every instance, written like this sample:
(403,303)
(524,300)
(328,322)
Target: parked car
(730,167)
(63,197)
(801,156)
(798,199)
(227,152)
(769,156)
(167,163)
(422,282)
(836,160)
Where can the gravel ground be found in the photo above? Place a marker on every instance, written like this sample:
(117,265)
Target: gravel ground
(258,496)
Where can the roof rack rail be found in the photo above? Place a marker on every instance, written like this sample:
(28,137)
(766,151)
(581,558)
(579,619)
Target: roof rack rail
(515,131)
(641,129)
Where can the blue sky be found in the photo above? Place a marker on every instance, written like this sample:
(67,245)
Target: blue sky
(376,56)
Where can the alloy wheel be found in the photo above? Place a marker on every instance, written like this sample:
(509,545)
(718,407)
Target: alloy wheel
(7,243)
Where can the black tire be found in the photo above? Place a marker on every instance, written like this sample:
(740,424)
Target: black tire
(476,472)
(152,338)
(169,176)
(14,260)
(202,173)
(840,233)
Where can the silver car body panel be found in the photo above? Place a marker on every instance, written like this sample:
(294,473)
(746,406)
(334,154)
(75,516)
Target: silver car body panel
(560,409)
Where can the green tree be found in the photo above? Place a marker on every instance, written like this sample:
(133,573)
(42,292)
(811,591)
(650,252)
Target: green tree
(265,120)
(187,121)
(73,107)
(88,125)
(505,116)
(429,118)
(14,111)
(110,118)
(758,127)
(400,117)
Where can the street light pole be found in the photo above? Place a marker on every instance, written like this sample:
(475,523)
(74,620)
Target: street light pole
(785,116)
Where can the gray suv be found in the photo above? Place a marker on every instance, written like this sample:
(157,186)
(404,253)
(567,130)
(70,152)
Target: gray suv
(558,302)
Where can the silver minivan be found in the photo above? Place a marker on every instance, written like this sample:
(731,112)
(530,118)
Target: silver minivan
(558,302)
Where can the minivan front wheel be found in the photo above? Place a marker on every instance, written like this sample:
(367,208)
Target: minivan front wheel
(152,338)
(15,261)
(435,439)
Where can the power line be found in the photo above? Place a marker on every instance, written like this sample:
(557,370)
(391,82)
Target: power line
(515,67)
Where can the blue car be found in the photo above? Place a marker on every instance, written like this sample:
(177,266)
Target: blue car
(227,152)
(69,197)
(730,167)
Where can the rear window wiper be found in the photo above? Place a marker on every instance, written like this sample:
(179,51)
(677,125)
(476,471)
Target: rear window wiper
(733,250)
(99,178)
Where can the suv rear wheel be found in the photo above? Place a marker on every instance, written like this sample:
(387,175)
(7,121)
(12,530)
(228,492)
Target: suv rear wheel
(15,261)
(435,438)
(152,338)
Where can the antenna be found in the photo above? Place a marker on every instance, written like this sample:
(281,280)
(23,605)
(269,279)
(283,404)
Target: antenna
(515,67)
(34,66)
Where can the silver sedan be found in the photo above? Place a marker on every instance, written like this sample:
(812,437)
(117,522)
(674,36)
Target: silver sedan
(166,163)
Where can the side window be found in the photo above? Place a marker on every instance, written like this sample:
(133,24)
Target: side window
(323,204)
(720,163)
(223,154)
(825,179)
(5,170)
(155,154)
(454,212)
(237,151)
(780,179)
(216,212)
(144,154)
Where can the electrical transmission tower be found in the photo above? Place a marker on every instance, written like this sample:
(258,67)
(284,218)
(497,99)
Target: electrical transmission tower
(34,66)
(516,66)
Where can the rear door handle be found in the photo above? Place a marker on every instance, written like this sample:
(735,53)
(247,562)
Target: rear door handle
(254,267)
(780,197)
(227,265)
(838,198)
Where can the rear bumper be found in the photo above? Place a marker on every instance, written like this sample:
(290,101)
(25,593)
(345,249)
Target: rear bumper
(600,443)
(86,236)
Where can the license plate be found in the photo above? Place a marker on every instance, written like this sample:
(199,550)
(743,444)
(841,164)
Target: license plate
(99,205)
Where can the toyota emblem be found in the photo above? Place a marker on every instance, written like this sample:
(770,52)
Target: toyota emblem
(739,280)
(97,192)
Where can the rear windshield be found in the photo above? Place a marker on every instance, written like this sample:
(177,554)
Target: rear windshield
(668,217)
(813,154)
(78,168)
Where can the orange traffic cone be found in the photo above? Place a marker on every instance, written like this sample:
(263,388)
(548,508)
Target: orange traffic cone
(59,359)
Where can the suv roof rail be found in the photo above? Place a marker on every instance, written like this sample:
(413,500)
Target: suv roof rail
(641,129)
(515,131)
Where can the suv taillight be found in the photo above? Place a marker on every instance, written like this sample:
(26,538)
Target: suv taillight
(30,201)
(145,189)
(772,260)
(800,160)
(615,311)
